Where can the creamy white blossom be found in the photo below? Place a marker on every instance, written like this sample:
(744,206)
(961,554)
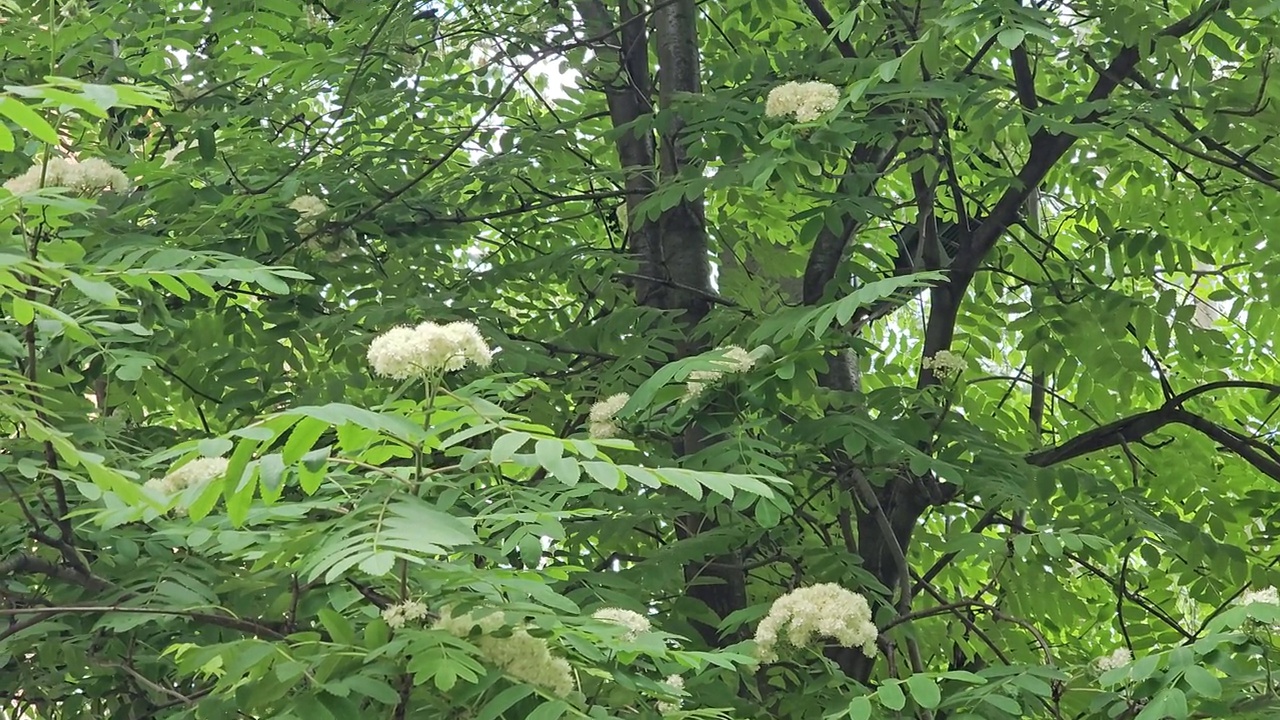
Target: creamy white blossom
(404,352)
(519,654)
(600,424)
(160,485)
(396,616)
(805,101)
(310,209)
(469,346)
(1267,596)
(197,472)
(1119,658)
(634,622)
(677,683)
(88,178)
(944,364)
(735,360)
(825,610)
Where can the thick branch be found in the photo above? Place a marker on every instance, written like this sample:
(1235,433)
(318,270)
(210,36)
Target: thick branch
(1134,428)
(819,12)
(1047,147)
(26,563)
(226,621)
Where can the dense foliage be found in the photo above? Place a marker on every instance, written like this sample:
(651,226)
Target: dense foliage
(467,359)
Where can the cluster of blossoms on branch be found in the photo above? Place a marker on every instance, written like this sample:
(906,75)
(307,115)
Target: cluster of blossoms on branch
(600,420)
(88,178)
(825,610)
(736,360)
(945,364)
(310,209)
(805,101)
(397,616)
(1266,596)
(518,654)
(195,473)
(428,349)
(1122,656)
(1119,658)
(635,623)
(677,684)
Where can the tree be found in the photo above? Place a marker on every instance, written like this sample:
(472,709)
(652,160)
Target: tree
(636,359)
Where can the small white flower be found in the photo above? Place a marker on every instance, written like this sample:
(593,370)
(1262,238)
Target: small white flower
(1267,596)
(677,684)
(945,364)
(806,101)
(310,209)
(88,178)
(735,360)
(634,622)
(195,473)
(160,485)
(1119,658)
(405,352)
(469,346)
(396,616)
(825,610)
(600,425)
(519,654)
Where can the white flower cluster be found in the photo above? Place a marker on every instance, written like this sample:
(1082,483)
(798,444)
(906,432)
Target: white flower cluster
(520,655)
(405,352)
(635,623)
(600,423)
(677,683)
(1119,658)
(805,101)
(310,209)
(825,610)
(396,616)
(1267,596)
(196,472)
(944,364)
(736,360)
(89,178)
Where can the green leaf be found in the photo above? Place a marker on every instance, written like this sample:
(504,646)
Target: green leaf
(548,452)
(23,312)
(28,120)
(925,691)
(1143,667)
(338,414)
(1202,681)
(505,447)
(859,708)
(503,701)
(374,688)
(551,710)
(606,474)
(302,439)
(891,696)
(378,564)
(1011,37)
(214,447)
(339,628)
(207,144)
